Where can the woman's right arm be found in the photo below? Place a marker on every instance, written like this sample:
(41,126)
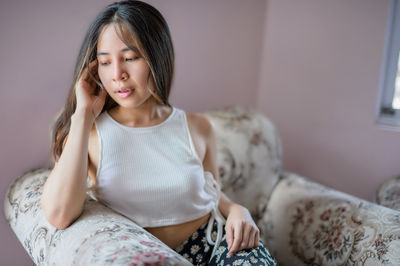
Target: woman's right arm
(64,192)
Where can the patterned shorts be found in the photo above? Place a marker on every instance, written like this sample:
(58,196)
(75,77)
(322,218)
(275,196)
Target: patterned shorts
(198,251)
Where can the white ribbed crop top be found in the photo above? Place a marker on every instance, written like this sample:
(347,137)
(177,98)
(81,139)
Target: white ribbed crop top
(153,175)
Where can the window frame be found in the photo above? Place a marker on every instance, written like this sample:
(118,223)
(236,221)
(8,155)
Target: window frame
(386,116)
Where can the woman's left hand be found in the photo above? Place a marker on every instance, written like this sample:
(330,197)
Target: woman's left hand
(241,230)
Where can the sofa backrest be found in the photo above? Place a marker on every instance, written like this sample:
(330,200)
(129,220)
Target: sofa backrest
(249,154)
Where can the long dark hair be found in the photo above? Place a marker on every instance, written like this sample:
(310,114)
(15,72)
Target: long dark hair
(148,28)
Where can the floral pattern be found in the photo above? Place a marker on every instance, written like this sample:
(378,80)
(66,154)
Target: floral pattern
(335,230)
(388,193)
(301,222)
(249,165)
(249,154)
(320,226)
(99,237)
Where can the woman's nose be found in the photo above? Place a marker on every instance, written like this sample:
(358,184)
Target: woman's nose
(119,73)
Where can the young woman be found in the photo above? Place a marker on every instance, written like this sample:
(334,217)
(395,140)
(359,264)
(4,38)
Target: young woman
(148,160)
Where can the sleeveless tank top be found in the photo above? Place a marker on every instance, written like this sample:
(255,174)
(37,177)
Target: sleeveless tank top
(153,175)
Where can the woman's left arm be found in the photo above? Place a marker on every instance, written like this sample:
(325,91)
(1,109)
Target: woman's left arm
(241,230)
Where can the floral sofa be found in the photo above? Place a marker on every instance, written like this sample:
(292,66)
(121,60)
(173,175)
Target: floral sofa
(301,222)
(388,193)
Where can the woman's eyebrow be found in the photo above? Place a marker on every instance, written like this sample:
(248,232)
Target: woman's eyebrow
(132,48)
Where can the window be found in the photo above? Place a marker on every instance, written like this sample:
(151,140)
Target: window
(388,111)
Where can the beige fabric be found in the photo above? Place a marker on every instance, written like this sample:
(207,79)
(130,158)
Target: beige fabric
(305,223)
(99,237)
(249,154)
(388,193)
(309,224)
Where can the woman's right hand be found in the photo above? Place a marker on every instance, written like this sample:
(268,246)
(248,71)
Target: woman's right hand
(85,91)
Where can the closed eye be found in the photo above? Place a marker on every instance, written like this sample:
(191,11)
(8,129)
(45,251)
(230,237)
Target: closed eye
(131,59)
(126,59)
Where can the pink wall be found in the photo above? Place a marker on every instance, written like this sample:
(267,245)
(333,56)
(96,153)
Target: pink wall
(217,46)
(319,82)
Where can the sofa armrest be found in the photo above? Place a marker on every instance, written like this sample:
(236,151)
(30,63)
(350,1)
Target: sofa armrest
(309,224)
(388,193)
(99,236)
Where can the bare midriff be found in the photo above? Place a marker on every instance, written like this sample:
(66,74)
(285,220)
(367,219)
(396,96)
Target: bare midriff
(174,235)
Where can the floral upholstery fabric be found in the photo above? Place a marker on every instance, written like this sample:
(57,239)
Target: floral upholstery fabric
(309,224)
(99,237)
(249,155)
(300,222)
(249,159)
(388,193)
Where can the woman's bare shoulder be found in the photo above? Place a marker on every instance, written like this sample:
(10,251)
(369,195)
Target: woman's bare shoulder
(205,130)
(199,122)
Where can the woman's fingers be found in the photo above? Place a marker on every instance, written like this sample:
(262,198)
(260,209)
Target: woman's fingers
(86,76)
(229,236)
(247,231)
(87,94)
(252,237)
(92,74)
(90,78)
(244,236)
(92,66)
(256,238)
(93,69)
(237,240)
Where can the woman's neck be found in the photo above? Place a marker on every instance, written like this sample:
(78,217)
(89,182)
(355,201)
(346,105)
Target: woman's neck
(142,116)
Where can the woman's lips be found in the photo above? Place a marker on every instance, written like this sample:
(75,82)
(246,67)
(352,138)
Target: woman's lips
(123,93)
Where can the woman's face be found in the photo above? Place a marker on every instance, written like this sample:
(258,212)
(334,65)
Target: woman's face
(124,73)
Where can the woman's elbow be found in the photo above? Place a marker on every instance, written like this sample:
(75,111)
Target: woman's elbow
(60,224)
(57,219)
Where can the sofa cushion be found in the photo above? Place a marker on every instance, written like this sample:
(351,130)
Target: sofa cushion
(310,224)
(249,154)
